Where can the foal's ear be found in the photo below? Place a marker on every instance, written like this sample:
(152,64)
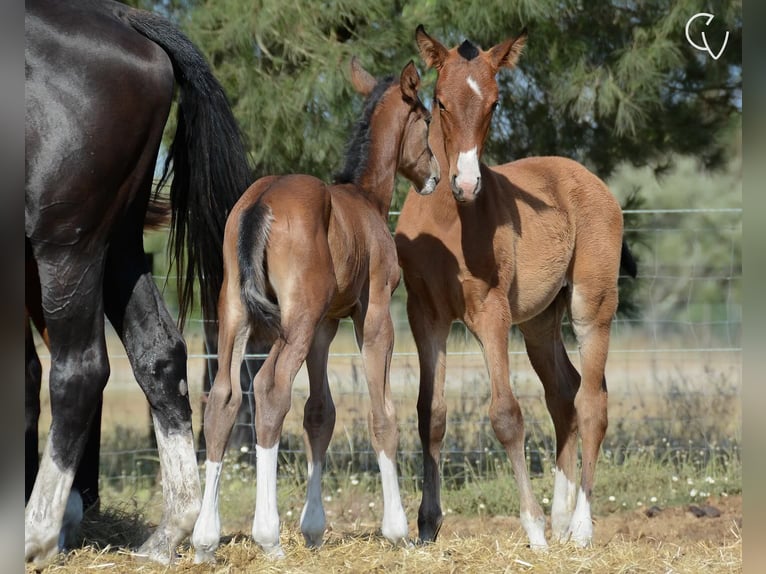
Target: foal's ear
(507,54)
(410,81)
(432,52)
(361,79)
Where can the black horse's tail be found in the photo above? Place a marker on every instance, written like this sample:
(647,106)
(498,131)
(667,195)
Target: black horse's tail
(627,261)
(209,165)
(263,312)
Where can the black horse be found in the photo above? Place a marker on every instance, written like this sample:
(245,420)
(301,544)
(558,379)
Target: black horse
(99,84)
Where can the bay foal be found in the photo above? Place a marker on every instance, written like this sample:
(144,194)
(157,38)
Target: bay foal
(516,244)
(299,255)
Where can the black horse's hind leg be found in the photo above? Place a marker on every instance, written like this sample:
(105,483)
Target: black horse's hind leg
(157,354)
(33,379)
(74,315)
(86,477)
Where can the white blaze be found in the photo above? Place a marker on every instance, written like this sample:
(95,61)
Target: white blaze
(468,172)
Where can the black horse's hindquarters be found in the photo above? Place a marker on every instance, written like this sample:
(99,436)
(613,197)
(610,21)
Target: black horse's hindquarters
(86,187)
(99,79)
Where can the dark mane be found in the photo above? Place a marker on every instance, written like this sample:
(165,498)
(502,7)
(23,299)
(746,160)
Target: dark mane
(358,145)
(468,50)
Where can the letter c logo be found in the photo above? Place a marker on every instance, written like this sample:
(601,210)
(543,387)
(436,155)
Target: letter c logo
(706,47)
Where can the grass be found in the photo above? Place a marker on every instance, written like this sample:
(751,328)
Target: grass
(673,440)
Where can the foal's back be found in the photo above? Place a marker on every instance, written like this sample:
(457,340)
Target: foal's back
(317,228)
(538,224)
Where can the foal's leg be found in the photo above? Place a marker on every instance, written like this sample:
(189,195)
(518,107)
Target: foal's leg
(593,304)
(157,354)
(74,314)
(430,336)
(561,380)
(375,332)
(272,388)
(318,425)
(223,404)
(491,327)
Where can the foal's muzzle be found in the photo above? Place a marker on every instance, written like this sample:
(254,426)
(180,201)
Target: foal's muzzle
(433,179)
(465,191)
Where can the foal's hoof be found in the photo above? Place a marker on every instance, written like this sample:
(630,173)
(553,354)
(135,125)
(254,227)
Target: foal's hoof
(273,551)
(313,540)
(204,557)
(427,533)
(156,549)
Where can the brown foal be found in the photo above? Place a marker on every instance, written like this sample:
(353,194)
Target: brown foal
(300,255)
(515,244)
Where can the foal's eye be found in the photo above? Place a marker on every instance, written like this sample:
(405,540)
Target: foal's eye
(440,104)
(494,106)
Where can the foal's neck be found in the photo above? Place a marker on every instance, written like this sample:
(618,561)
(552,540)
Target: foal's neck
(442,201)
(379,174)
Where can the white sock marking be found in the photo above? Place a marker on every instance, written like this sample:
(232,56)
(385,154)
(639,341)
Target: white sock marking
(474,86)
(581,528)
(207,530)
(564,497)
(180,476)
(266,518)
(535,530)
(44,514)
(180,490)
(394,526)
(313,516)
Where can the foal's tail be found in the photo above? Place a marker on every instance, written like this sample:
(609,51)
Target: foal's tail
(209,164)
(627,261)
(263,311)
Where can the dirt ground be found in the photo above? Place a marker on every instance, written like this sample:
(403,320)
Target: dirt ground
(673,525)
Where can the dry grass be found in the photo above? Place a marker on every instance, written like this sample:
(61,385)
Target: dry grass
(366,552)
(656,406)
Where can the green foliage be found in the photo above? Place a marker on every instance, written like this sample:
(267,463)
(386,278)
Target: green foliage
(606,83)
(603,82)
(611,83)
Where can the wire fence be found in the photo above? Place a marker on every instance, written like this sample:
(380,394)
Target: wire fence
(674,368)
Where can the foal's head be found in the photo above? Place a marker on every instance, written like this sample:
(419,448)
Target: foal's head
(464,98)
(401,105)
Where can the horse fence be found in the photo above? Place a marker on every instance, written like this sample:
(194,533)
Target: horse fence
(673,374)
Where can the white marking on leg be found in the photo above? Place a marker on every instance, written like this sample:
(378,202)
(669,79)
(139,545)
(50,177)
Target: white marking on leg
(535,529)
(266,518)
(313,517)
(581,528)
(394,525)
(564,498)
(474,86)
(44,513)
(468,171)
(207,530)
(180,489)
